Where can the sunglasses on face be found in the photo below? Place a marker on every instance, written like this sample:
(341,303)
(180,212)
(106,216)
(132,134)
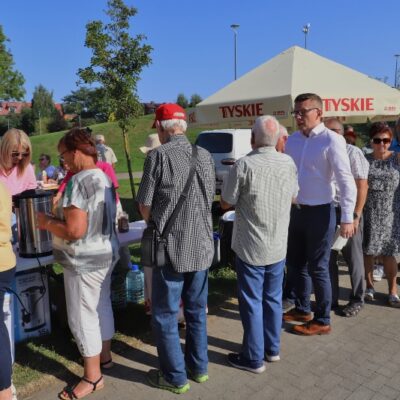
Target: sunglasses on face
(17,154)
(381,140)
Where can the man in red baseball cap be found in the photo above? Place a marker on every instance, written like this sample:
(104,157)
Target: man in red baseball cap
(349,135)
(190,248)
(169,111)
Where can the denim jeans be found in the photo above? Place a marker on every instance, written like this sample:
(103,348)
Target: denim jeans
(167,289)
(311,232)
(6,279)
(260,305)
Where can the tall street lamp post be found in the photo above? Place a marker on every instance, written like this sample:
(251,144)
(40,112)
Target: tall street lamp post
(306,29)
(234,28)
(395,71)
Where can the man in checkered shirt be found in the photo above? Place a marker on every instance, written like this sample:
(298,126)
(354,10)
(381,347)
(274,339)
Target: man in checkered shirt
(352,252)
(190,249)
(262,185)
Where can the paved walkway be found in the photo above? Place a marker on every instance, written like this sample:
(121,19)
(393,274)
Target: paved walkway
(360,359)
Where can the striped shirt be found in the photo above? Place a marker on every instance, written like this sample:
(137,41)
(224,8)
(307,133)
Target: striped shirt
(190,243)
(359,166)
(262,186)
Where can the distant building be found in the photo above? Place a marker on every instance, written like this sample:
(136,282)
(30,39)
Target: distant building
(13,107)
(150,108)
(16,107)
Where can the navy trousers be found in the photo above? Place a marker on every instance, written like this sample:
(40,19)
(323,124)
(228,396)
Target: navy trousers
(311,232)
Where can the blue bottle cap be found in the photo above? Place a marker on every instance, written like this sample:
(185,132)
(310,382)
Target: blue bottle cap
(135,267)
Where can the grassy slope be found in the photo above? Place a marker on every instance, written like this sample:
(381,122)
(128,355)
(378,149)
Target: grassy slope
(137,137)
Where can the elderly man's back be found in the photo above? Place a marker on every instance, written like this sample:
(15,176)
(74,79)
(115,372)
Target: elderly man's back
(261,185)
(266,180)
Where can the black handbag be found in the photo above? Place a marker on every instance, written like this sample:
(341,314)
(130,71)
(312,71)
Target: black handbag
(153,244)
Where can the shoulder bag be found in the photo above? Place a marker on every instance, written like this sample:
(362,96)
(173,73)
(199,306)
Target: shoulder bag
(153,244)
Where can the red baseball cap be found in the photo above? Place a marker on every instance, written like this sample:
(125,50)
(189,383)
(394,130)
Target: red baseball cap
(169,111)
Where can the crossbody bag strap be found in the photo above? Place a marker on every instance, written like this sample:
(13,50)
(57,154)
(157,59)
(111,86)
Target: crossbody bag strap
(183,195)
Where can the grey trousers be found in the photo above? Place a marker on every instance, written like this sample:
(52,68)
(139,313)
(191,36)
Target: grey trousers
(353,255)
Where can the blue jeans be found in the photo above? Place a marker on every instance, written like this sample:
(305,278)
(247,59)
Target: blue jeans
(167,289)
(6,279)
(311,232)
(260,305)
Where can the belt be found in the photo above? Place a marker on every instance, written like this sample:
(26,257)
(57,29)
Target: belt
(303,206)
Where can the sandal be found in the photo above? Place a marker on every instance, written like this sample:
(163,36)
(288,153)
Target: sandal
(69,394)
(107,364)
(352,309)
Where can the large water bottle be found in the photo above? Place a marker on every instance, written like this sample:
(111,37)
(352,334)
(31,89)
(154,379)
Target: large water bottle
(134,285)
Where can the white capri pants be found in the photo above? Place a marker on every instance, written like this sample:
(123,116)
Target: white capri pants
(90,316)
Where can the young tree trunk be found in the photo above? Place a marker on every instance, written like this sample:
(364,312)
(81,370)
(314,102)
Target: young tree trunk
(129,165)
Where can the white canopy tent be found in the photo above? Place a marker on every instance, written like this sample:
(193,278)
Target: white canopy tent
(272,87)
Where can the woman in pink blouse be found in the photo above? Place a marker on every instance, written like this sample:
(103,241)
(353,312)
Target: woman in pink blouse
(16,171)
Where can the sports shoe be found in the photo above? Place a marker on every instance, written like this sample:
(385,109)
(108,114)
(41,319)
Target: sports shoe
(352,309)
(237,361)
(394,300)
(369,294)
(377,273)
(287,305)
(199,378)
(156,379)
(272,358)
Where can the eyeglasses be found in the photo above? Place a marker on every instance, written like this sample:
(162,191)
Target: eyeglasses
(42,159)
(17,154)
(381,140)
(303,112)
(60,156)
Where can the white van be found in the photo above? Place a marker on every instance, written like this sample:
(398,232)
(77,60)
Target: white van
(226,146)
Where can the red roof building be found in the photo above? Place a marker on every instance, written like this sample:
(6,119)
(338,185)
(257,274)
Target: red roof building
(15,107)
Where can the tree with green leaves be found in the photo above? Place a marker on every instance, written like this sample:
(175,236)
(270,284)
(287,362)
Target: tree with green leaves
(116,64)
(182,100)
(44,112)
(194,100)
(11,81)
(88,103)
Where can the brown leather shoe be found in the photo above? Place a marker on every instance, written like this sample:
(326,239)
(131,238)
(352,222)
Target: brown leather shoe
(294,315)
(312,328)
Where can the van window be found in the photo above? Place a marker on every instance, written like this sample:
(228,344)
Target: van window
(215,142)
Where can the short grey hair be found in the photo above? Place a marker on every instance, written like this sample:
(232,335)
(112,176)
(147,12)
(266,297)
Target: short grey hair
(170,125)
(282,131)
(334,120)
(266,131)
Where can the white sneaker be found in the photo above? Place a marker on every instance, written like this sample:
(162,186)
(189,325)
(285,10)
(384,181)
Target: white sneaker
(377,273)
(394,300)
(369,294)
(272,358)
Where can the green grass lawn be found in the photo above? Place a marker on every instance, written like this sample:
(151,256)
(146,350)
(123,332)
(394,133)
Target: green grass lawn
(138,133)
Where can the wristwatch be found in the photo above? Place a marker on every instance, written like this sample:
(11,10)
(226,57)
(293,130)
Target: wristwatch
(355,215)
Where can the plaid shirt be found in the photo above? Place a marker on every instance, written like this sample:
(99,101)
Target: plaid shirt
(262,186)
(166,169)
(358,164)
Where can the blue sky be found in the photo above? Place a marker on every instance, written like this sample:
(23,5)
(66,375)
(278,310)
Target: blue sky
(193,42)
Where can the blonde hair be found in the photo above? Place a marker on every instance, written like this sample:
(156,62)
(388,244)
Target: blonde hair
(11,140)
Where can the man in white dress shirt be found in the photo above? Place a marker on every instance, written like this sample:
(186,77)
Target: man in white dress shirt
(320,155)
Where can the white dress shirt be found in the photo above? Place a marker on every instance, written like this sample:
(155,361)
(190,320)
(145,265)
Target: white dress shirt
(320,158)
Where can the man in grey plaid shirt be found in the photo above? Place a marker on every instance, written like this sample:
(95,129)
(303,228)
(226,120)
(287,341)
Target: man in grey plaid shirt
(190,249)
(262,186)
(352,251)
